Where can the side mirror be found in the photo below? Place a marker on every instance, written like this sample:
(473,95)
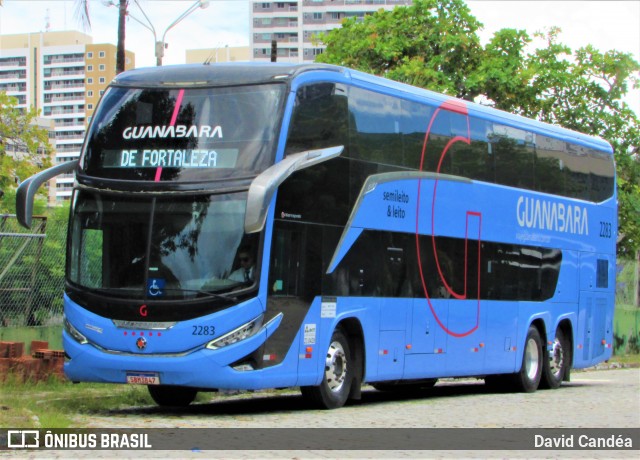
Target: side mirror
(28,188)
(265,185)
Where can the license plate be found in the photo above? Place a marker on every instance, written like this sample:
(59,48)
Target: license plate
(143,378)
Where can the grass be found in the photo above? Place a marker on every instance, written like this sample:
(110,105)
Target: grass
(59,404)
(627,360)
(54,404)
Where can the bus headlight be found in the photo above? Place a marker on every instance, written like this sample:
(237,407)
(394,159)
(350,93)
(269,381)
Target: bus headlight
(243,332)
(73,332)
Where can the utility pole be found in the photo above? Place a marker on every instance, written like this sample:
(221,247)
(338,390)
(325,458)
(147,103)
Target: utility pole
(274,50)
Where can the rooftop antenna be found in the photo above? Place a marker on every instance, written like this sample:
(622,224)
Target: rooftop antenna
(47,21)
(209,58)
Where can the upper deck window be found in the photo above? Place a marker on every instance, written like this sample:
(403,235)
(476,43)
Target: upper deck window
(186,135)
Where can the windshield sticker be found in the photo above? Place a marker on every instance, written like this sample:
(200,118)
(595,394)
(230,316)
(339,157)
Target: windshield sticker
(328,308)
(309,334)
(155,287)
(171,158)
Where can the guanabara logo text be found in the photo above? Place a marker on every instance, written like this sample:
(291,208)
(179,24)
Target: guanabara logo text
(171,131)
(535,213)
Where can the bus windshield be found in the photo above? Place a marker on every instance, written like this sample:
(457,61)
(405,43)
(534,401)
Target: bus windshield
(163,247)
(186,135)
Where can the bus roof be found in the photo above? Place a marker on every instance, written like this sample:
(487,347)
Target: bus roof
(225,74)
(215,74)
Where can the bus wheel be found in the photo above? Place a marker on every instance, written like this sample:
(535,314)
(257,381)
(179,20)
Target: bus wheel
(556,362)
(334,389)
(172,396)
(528,378)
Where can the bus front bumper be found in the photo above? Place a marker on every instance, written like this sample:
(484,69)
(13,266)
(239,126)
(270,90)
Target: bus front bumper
(202,368)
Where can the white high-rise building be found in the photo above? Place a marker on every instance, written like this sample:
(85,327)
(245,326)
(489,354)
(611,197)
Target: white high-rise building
(294,23)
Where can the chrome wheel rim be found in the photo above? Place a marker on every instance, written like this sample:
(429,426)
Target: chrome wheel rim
(531,359)
(556,358)
(335,369)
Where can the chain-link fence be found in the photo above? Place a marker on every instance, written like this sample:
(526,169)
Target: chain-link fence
(31,271)
(628,283)
(627,316)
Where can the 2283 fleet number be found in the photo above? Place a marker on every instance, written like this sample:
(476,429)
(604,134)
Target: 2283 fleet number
(606,229)
(203,330)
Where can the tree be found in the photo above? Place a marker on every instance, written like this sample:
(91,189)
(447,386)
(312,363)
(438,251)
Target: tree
(24,147)
(431,44)
(434,44)
(584,91)
(83,15)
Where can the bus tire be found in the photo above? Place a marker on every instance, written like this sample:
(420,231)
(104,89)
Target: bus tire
(334,389)
(528,379)
(172,396)
(556,362)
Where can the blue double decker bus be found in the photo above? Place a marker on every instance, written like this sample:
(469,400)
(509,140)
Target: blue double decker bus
(250,226)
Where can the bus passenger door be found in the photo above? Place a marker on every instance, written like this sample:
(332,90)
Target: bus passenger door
(427,332)
(394,310)
(293,284)
(595,317)
(467,314)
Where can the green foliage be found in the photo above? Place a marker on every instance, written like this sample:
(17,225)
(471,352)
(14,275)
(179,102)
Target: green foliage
(24,147)
(434,44)
(626,283)
(502,75)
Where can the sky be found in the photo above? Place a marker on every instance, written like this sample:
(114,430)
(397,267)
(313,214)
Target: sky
(604,24)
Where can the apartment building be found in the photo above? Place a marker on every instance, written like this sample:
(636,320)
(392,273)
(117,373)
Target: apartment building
(100,69)
(63,74)
(295,23)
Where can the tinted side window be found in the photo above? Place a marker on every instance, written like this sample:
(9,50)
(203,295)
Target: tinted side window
(602,173)
(549,165)
(439,136)
(385,264)
(512,272)
(413,127)
(388,133)
(318,194)
(320,118)
(577,166)
(475,160)
(375,131)
(573,170)
(513,150)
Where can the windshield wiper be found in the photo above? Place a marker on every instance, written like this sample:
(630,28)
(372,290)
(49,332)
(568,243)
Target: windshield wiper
(211,294)
(128,290)
(110,290)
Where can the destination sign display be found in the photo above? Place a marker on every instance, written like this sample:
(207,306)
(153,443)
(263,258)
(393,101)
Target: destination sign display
(171,158)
